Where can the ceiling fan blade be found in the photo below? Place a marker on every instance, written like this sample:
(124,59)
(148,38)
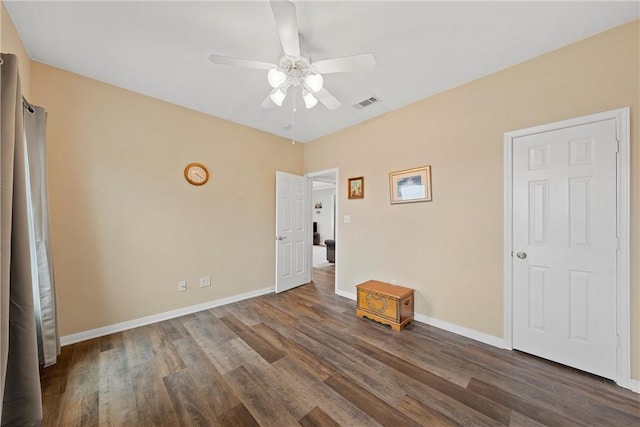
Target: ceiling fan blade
(267,103)
(284,13)
(362,62)
(239,62)
(328,100)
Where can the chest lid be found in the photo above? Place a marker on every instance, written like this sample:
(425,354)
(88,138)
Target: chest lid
(384,288)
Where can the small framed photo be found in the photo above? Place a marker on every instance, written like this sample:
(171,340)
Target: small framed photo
(356,188)
(411,185)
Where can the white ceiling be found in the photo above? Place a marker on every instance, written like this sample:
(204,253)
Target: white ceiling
(160,49)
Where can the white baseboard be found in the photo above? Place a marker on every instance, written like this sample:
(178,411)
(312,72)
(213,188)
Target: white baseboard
(346,294)
(450,327)
(635,386)
(130,324)
(459,330)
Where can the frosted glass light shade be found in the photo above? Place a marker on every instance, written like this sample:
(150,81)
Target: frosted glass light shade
(276,77)
(314,82)
(277,96)
(310,101)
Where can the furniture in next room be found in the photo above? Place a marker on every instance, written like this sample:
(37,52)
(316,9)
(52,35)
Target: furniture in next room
(331,250)
(385,303)
(316,235)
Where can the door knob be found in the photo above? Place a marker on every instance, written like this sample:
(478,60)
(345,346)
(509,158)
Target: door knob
(521,255)
(280,238)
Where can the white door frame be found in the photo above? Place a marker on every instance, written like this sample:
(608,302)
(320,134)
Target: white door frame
(623,295)
(310,175)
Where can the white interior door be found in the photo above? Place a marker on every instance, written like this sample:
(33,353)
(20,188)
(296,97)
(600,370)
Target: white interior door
(565,246)
(293,234)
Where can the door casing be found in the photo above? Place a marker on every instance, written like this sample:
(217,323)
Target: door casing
(336,171)
(623,295)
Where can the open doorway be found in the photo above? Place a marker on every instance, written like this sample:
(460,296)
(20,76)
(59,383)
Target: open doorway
(324,198)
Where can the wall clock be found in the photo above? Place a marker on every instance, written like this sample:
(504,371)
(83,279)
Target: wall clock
(196,174)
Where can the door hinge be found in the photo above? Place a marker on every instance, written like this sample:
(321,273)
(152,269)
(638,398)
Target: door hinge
(617,341)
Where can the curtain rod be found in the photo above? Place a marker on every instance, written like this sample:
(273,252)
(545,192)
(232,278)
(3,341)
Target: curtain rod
(27,105)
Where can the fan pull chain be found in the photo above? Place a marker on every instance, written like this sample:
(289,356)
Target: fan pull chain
(293,119)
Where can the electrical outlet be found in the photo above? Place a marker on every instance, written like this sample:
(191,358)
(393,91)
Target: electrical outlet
(205,281)
(182,286)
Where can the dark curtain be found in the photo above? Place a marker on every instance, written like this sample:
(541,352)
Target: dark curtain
(19,372)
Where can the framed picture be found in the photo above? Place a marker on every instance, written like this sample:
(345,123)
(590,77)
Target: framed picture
(356,188)
(411,185)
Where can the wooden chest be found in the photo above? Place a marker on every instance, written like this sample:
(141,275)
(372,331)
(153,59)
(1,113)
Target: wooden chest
(385,303)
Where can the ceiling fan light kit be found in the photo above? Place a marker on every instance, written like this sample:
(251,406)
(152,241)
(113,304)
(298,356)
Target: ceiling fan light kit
(277,96)
(276,77)
(310,101)
(296,68)
(314,82)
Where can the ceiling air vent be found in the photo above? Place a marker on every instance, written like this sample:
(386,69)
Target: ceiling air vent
(367,102)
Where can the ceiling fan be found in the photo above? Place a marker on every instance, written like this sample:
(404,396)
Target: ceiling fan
(295,68)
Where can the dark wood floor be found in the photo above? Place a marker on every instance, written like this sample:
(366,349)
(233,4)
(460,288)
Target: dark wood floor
(302,357)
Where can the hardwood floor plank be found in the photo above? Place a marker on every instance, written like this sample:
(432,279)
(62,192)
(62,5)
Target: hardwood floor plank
(238,416)
(117,405)
(447,406)
(151,397)
(111,342)
(190,407)
(375,407)
(310,311)
(316,366)
(358,366)
(262,406)
(318,418)
(232,355)
(78,406)
(522,406)
(164,352)
(423,414)
(530,379)
(208,330)
(137,346)
(519,420)
(257,343)
(209,381)
(174,328)
(291,394)
(420,352)
(320,394)
(473,400)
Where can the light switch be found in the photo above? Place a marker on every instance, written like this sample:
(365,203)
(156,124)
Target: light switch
(347,219)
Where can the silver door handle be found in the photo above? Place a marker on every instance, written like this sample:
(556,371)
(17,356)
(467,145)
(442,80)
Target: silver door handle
(280,238)
(521,255)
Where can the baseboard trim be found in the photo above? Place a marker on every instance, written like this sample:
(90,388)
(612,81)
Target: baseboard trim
(449,327)
(634,385)
(345,294)
(459,330)
(135,323)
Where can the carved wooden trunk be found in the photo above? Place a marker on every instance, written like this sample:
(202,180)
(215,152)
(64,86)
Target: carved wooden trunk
(385,303)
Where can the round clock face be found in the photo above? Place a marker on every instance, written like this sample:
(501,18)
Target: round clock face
(196,174)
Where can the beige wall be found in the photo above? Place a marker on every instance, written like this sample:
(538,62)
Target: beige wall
(126,226)
(450,250)
(10,43)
